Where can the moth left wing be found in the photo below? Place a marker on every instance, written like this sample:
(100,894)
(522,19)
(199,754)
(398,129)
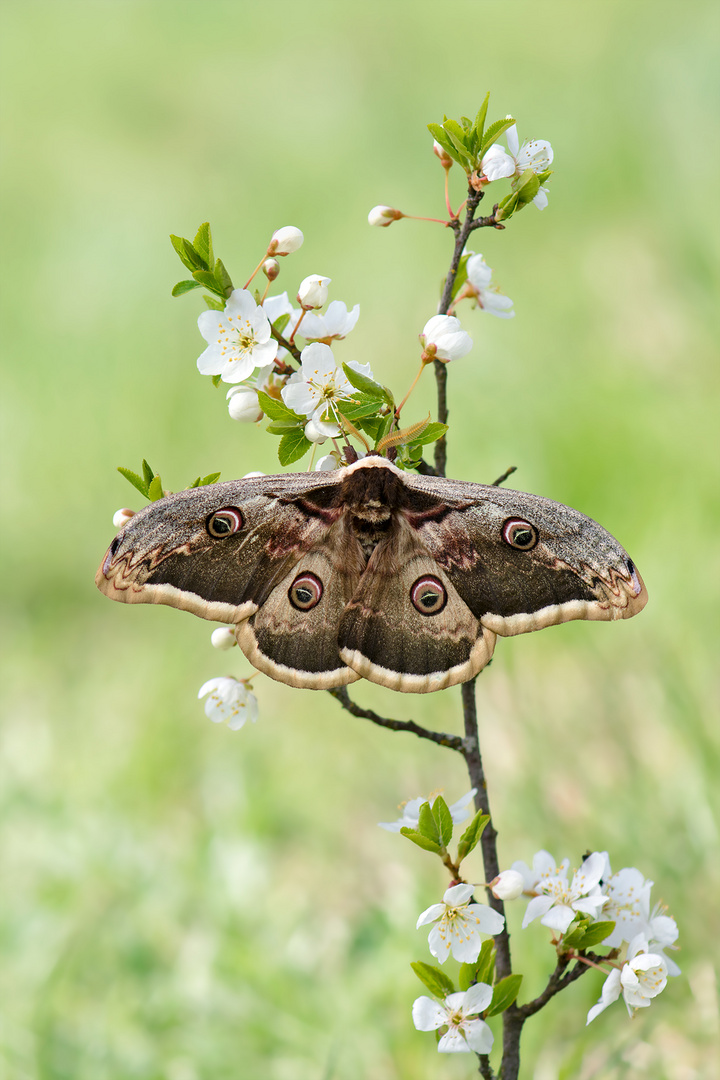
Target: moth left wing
(218,551)
(406,627)
(521,562)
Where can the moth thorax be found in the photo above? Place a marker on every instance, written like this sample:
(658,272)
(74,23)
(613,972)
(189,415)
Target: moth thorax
(372,494)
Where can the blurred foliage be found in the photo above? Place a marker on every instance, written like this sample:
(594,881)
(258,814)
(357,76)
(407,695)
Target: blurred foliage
(180,898)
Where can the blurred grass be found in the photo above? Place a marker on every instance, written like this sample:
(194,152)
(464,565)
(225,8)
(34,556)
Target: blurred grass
(184,902)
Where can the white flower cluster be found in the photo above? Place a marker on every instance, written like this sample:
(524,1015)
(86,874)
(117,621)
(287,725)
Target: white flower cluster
(622,898)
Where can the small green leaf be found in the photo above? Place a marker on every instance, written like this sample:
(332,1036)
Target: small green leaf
(479,125)
(494,132)
(282,427)
(457,135)
(443,819)
(428,826)
(155,490)
(135,480)
(366,385)
(504,993)
(281,322)
(185,286)
(482,970)
(293,446)
(526,188)
(437,982)
(359,406)
(216,379)
(207,278)
(195,483)
(215,305)
(148,472)
(278,410)
(595,934)
(211,478)
(431,434)
(422,841)
(448,146)
(203,244)
(471,837)
(222,278)
(188,256)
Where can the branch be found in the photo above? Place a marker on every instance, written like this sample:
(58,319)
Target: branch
(453,742)
(558,981)
(485,1068)
(290,346)
(501,479)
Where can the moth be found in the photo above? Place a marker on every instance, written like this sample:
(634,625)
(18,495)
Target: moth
(370,572)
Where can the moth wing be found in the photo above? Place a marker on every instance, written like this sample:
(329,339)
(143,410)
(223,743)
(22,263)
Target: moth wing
(385,638)
(293,636)
(574,569)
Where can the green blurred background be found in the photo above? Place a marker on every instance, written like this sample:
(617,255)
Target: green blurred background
(183,902)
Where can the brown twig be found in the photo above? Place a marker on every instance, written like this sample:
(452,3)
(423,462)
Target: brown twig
(452,742)
(501,479)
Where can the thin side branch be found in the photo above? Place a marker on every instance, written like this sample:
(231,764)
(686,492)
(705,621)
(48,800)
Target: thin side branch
(501,479)
(452,742)
(559,979)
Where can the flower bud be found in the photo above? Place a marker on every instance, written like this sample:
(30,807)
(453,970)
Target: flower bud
(442,155)
(384,216)
(327,463)
(121,517)
(243,405)
(508,885)
(317,431)
(285,241)
(271,269)
(252,475)
(313,291)
(223,638)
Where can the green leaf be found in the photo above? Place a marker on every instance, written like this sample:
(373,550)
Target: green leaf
(278,410)
(457,135)
(472,834)
(293,446)
(155,490)
(431,434)
(185,286)
(282,427)
(216,379)
(195,483)
(223,278)
(526,188)
(148,472)
(203,244)
(437,982)
(207,278)
(479,125)
(211,478)
(443,819)
(437,132)
(494,132)
(428,826)
(482,970)
(364,383)
(358,406)
(188,256)
(595,934)
(215,305)
(135,480)
(422,841)
(504,993)
(281,322)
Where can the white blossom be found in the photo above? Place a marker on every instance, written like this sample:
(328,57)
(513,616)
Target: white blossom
(223,638)
(320,383)
(327,463)
(661,933)
(229,701)
(337,322)
(238,337)
(496,164)
(318,432)
(121,517)
(460,925)
(488,296)
(466,1031)
(556,902)
(628,902)
(508,885)
(383,216)
(535,154)
(313,291)
(410,819)
(286,240)
(641,978)
(275,306)
(446,334)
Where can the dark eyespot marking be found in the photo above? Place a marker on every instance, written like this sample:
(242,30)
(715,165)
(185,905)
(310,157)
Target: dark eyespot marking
(224,522)
(631,567)
(428,595)
(114,546)
(305,592)
(520,534)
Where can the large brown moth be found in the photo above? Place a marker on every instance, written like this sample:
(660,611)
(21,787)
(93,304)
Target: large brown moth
(370,572)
